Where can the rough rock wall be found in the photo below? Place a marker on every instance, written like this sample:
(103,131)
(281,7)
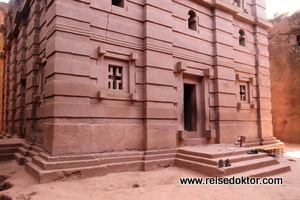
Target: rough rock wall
(3,7)
(285,76)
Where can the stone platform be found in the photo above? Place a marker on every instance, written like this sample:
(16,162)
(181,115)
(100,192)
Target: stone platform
(202,158)
(46,168)
(8,147)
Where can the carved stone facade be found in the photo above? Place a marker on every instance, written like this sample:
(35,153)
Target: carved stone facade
(86,76)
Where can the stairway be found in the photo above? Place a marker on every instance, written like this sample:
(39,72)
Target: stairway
(26,152)
(8,148)
(46,168)
(252,165)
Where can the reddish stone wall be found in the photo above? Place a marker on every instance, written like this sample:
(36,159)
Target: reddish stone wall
(65,57)
(3,7)
(285,76)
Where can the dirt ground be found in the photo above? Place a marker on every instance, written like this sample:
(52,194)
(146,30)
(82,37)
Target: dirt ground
(154,185)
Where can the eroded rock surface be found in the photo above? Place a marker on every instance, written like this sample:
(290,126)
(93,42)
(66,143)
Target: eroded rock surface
(285,76)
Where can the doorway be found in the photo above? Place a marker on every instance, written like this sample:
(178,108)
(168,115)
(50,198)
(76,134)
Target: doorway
(193,116)
(190,107)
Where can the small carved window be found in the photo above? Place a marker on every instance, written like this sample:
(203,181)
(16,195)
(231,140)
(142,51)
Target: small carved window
(238,2)
(242,38)
(243,93)
(192,21)
(115,74)
(298,40)
(41,78)
(119,3)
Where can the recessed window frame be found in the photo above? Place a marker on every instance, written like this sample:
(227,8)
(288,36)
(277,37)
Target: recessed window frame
(119,3)
(192,20)
(238,3)
(242,38)
(244,87)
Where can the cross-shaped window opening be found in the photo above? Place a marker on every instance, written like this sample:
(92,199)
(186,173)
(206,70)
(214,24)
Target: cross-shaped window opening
(243,93)
(115,78)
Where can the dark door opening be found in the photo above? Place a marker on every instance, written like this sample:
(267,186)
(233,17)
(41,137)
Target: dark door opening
(190,108)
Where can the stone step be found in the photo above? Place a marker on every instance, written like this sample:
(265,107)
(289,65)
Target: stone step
(265,171)
(159,156)
(37,149)
(242,157)
(28,159)
(43,176)
(249,165)
(34,170)
(27,146)
(6,156)
(163,151)
(49,158)
(203,168)
(19,158)
(194,141)
(125,166)
(215,161)
(214,155)
(58,174)
(55,171)
(119,154)
(107,160)
(256,140)
(252,140)
(7,143)
(63,164)
(8,149)
(32,153)
(198,159)
(46,165)
(251,144)
(158,163)
(225,171)
(23,151)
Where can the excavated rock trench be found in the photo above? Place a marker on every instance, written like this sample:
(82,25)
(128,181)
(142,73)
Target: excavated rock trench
(4,185)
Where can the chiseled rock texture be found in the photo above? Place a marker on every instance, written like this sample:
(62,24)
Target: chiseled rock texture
(88,76)
(3,8)
(285,76)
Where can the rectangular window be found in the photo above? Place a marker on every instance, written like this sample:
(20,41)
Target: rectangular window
(298,40)
(115,74)
(119,3)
